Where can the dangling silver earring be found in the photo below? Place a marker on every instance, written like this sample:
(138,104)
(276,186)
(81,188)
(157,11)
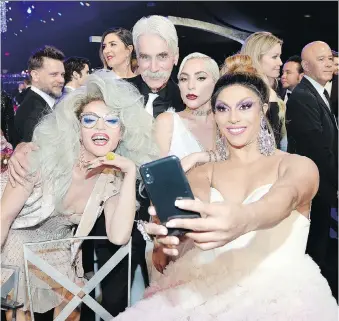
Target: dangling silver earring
(266,142)
(220,146)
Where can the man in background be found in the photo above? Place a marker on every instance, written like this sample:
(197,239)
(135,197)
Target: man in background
(292,74)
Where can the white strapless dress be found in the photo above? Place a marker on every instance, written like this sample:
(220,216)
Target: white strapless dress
(263,275)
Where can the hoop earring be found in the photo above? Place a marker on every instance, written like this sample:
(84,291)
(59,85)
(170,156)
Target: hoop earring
(266,142)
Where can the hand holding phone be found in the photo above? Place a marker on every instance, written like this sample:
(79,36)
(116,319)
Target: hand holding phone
(165,182)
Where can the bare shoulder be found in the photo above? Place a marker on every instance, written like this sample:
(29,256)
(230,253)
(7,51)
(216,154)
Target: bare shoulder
(300,172)
(298,164)
(200,181)
(165,118)
(203,172)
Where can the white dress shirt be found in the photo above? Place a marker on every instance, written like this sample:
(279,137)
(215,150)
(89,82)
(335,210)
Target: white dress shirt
(149,105)
(47,98)
(320,89)
(286,95)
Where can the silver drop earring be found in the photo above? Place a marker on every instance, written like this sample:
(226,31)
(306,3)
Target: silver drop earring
(266,142)
(220,146)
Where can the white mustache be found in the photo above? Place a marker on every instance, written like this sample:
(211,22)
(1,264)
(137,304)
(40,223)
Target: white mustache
(156,75)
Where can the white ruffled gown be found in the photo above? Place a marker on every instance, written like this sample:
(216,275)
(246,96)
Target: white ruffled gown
(263,275)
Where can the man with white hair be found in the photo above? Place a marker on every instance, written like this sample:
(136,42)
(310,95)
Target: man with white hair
(155,41)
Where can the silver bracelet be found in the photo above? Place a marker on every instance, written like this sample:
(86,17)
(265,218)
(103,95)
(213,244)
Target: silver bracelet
(209,156)
(214,155)
(141,228)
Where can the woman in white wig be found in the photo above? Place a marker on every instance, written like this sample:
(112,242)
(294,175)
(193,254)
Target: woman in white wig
(89,150)
(191,131)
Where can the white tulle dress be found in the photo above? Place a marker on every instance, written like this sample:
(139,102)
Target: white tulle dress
(263,275)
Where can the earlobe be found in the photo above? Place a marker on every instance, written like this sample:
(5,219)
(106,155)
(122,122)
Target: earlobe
(34,75)
(265,108)
(304,65)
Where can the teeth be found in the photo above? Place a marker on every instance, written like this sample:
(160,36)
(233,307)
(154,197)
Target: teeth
(236,130)
(99,137)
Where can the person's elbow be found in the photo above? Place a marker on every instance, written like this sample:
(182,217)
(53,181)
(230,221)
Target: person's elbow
(119,239)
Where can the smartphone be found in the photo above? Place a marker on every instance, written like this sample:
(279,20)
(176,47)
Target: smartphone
(165,182)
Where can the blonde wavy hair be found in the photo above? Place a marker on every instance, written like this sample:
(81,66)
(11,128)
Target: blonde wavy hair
(58,134)
(257,45)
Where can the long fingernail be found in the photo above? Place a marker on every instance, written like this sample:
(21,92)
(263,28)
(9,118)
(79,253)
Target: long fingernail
(178,203)
(170,224)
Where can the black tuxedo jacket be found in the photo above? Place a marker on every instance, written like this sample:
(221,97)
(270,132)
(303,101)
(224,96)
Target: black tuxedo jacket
(28,115)
(312,132)
(169,96)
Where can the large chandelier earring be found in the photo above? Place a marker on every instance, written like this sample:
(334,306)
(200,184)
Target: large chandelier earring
(266,141)
(220,146)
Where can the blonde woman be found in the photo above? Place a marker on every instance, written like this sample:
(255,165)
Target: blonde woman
(190,132)
(265,50)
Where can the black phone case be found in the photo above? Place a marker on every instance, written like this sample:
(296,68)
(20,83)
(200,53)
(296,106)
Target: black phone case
(165,182)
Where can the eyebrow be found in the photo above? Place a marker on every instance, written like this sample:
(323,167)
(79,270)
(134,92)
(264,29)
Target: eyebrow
(238,103)
(161,53)
(106,43)
(323,56)
(196,73)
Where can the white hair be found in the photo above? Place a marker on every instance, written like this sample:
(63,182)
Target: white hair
(210,64)
(157,25)
(58,134)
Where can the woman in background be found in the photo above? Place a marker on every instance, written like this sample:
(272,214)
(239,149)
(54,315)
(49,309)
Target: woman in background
(116,52)
(265,50)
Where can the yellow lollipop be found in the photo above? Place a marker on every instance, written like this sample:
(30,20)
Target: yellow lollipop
(110,156)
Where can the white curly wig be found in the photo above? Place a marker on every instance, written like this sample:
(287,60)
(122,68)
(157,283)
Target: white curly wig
(211,64)
(157,25)
(58,134)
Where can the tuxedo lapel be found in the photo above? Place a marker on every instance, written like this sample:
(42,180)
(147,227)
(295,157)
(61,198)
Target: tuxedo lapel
(320,100)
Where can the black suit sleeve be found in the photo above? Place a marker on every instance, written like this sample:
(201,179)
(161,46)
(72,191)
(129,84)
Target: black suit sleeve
(33,118)
(305,137)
